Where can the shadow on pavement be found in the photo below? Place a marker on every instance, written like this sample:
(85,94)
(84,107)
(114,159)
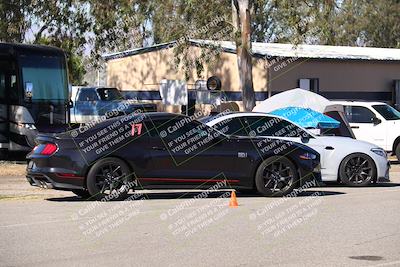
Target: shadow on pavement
(198,194)
(382,185)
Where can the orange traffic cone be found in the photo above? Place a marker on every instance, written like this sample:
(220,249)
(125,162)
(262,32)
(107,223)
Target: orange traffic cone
(233,202)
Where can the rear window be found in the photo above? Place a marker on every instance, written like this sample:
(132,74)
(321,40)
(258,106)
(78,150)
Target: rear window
(343,129)
(109,94)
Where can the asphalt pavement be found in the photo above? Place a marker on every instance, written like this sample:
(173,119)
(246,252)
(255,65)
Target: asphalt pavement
(327,226)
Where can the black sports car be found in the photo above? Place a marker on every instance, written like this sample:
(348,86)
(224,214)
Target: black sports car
(105,159)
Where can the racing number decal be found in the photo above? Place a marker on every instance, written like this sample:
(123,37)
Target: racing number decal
(137,128)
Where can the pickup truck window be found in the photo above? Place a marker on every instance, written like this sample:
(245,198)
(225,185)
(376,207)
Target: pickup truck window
(387,112)
(87,95)
(357,114)
(109,94)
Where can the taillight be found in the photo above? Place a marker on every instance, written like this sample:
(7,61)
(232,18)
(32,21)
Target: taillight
(47,149)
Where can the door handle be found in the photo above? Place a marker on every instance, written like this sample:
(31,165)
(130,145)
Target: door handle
(329,148)
(158,148)
(355,127)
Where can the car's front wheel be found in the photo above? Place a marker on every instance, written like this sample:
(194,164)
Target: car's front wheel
(108,179)
(276,176)
(357,169)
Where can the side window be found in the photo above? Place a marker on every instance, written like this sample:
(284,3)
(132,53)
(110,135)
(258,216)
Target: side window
(87,95)
(271,126)
(356,114)
(182,136)
(233,126)
(175,128)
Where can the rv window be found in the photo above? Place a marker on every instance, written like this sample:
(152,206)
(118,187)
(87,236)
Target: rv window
(47,76)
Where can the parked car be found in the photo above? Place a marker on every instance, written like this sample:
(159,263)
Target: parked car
(307,99)
(149,150)
(350,161)
(91,103)
(375,122)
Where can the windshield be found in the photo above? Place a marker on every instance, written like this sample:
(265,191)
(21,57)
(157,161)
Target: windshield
(387,112)
(110,94)
(45,76)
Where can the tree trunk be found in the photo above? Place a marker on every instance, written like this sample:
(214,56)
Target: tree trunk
(241,21)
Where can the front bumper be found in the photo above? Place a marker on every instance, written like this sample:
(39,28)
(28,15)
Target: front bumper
(49,178)
(383,173)
(310,176)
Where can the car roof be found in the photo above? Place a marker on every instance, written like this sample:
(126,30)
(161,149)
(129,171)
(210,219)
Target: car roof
(243,114)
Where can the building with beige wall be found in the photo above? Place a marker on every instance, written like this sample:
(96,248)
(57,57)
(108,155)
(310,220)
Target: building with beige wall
(355,73)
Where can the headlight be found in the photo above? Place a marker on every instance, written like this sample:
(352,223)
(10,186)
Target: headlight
(380,152)
(308,156)
(29,126)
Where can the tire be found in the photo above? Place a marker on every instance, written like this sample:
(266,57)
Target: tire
(398,152)
(81,193)
(276,176)
(108,179)
(357,170)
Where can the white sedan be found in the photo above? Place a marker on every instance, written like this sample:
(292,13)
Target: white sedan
(350,161)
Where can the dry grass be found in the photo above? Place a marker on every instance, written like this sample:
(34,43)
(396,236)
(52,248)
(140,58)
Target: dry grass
(12,169)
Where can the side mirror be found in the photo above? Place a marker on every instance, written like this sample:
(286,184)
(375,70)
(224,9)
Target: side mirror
(376,121)
(305,139)
(70,104)
(28,90)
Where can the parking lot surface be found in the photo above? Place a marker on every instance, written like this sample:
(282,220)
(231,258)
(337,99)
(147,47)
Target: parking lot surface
(326,226)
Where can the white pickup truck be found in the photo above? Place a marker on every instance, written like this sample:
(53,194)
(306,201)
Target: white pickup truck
(374,122)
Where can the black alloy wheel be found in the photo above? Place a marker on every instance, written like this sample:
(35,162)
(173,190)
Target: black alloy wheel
(108,179)
(357,169)
(276,176)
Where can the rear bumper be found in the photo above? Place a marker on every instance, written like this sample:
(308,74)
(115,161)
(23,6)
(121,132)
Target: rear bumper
(50,178)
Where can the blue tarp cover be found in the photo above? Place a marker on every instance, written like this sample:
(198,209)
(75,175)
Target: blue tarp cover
(307,118)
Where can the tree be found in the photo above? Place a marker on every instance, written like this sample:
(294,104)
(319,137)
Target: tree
(62,24)
(94,27)
(241,21)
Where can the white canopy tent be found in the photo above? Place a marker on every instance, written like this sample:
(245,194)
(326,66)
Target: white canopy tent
(306,99)
(297,98)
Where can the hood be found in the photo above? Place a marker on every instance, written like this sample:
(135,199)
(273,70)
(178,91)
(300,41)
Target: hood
(345,141)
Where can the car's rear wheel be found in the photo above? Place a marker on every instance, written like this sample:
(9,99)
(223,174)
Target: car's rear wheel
(108,179)
(276,176)
(81,193)
(398,152)
(357,169)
